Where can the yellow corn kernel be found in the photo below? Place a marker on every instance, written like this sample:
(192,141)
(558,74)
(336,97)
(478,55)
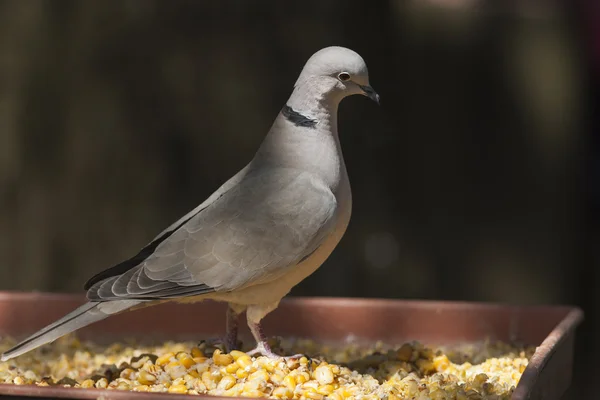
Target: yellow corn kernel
(244,361)
(350,391)
(199,386)
(126,373)
(241,373)
(325,389)
(323,374)
(123,386)
(282,393)
(269,367)
(222,359)
(19,381)
(140,388)
(88,383)
(276,379)
(208,380)
(302,377)
(480,379)
(146,378)
(303,360)
(290,382)
(252,393)
(231,368)
(234,391)
(164,359)
(187,361)
(175,369)
(199,360)
(236,354)
(226,383)
(337,396)
(196,352)
(260,374)
(178,389)
(153,369)
(102,383)
(441,363)
(309,394)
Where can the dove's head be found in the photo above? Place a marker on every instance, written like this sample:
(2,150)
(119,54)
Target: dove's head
(337,72)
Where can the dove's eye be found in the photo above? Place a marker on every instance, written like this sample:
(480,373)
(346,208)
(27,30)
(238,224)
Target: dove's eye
(343,76)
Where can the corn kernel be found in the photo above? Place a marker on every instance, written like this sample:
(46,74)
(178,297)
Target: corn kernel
(241,373)
(208,380)
(226,383)
(244,361)
(324,375)
(123,386)
(222,359)
(196,352)
(276,379)
(164,359)
(236,354)
(302,377)
(231,368)
(102,383)
(140,388)
(252,393)
(127,373)
(234,391)
(146,378)
(260,374)
(290,382)
(187,361)
(337,396)
(325,389)
(178,389)
(313,395)
(88,383)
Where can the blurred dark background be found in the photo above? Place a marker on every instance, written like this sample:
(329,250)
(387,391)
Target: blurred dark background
(477,178)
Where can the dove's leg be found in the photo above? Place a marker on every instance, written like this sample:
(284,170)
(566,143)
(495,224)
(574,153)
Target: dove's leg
(231,325)
(254,315)
(230,340)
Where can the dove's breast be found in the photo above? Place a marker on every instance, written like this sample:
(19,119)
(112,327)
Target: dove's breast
(276,289)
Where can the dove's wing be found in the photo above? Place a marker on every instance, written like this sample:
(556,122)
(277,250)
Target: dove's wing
(251,234)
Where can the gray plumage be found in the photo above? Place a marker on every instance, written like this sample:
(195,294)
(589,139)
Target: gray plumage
(262,232)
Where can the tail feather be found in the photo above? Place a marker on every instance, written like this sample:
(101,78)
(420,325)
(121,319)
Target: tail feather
(86,314)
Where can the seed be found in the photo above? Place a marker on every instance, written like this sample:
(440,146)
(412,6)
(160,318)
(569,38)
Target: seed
(196,352)
(164,359)
(226,383)
(244,361)
(102,383)
(146,378)
(178,389)
(222,359)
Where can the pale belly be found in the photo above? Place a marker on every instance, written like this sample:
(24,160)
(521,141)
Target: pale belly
(273,291)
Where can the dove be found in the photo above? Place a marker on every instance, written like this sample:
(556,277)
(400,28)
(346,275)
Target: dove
(261,233)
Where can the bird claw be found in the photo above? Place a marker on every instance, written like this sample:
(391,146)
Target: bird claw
(265,350)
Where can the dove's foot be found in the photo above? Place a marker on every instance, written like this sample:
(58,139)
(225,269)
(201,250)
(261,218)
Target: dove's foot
(264,349)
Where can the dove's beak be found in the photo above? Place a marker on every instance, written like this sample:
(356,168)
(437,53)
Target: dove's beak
(370,93)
